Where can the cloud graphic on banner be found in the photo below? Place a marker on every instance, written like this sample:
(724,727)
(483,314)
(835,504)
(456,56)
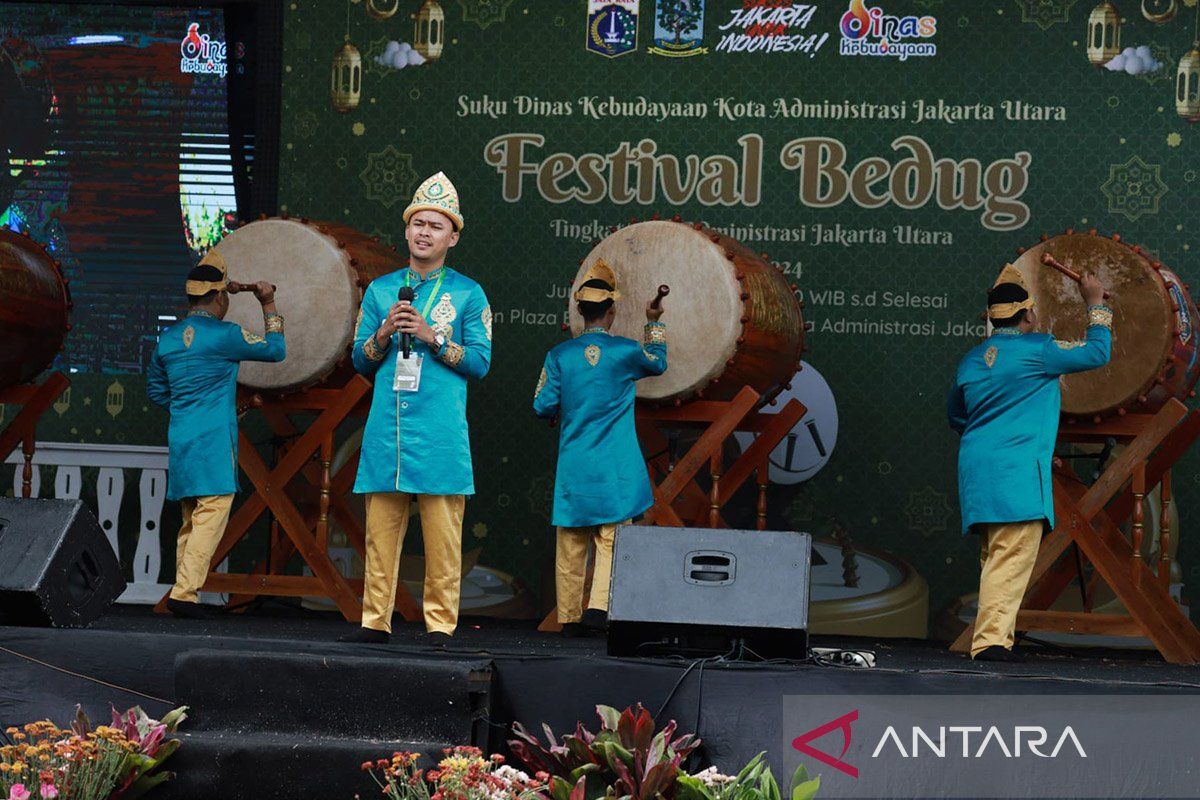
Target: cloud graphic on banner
(398,55)
(1134,61)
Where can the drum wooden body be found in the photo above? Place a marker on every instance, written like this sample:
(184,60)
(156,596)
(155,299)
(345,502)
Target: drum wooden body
(320,270)
(1154,354)
(732,317)
(34,305)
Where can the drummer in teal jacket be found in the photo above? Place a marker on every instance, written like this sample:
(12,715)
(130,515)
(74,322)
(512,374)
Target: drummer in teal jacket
(1005,403)
(193,373)
(416,445)
(601,482)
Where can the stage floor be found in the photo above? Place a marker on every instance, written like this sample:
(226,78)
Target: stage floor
(135,657)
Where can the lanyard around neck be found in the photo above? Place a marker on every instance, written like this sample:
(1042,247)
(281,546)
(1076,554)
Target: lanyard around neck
(433,295)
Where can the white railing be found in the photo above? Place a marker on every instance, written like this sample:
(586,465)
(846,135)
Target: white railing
(145,466)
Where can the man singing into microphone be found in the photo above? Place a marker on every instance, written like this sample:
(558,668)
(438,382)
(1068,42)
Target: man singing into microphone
(601,481)
(416,443)
(193,374)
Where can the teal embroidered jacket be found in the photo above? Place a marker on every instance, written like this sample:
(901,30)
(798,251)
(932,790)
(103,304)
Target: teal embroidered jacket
(193,374)
(1006,403)
(590,382)
(418,442)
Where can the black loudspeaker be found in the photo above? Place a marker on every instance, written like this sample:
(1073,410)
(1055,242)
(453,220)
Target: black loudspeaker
(56,566)
(709,591)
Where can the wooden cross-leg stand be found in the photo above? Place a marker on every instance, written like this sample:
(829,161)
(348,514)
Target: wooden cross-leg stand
(34,401)
(1088,517)
(680,500)
(309,455)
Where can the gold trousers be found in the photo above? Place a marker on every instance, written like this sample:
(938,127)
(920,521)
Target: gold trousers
(1007,556)
(204,520)
(441,529)
(570,567)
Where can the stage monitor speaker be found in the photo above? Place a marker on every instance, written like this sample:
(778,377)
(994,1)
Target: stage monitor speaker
(694,591)
(56,566)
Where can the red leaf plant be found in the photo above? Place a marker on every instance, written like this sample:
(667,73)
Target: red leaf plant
(626,758)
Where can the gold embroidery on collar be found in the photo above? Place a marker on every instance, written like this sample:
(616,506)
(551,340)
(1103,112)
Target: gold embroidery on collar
(989,357)
(189,334)
(592,354)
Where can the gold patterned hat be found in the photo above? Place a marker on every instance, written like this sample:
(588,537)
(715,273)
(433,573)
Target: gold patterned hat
(437,193)
(199,288)
(599,271)
(1010,276)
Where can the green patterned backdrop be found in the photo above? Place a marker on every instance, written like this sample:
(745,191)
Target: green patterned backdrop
(1061,143)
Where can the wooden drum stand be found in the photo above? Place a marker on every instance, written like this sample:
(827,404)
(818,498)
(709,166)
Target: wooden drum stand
(1090,518)
(300,529)
(34,400)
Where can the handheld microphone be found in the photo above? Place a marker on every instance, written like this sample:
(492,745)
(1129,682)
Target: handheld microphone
(406,295)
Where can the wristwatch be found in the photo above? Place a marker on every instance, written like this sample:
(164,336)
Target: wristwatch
(439,341)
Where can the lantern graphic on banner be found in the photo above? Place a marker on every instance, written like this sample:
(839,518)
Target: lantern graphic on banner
(429,30)
(1104,34)
(1187,85)
(345,87)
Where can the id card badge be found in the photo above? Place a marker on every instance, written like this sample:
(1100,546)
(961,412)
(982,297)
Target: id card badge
(408,373)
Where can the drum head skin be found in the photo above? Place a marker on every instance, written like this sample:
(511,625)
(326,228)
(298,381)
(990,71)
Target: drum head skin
(703,312)
(1143,319)
(317,295)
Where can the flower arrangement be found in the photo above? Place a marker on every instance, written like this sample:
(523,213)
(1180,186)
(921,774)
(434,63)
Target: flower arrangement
(42,761)
(627,759)
(754,782)
(464,774)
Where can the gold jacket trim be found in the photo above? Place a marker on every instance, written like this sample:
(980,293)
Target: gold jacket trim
(655,333)
(1100,315)
(592,354)
(273,323)
(372,350)
(486,318)
(252,338)
(453,354)
(1068,345)
(541,383)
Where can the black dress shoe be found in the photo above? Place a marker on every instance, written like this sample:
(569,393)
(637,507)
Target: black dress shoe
(998,653)
(187,610)
(595,620)
(366,636)
(440,637)
(573,630)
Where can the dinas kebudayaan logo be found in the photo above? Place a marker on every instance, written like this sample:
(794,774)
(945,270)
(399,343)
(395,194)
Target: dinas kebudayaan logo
(868,31)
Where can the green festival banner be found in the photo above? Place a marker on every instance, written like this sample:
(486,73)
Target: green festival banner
(890,156)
